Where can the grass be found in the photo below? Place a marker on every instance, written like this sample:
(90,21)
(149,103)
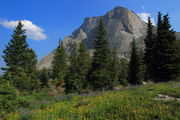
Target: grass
(128,104)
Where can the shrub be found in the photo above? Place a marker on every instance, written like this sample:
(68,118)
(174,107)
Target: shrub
(25,116)
(8,95)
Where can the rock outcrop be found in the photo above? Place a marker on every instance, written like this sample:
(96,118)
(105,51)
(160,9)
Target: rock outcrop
(121,24)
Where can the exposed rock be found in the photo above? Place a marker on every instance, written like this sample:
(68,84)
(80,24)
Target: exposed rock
(45,62)
(166,98)
(176,86)
(116,88)
(121,24)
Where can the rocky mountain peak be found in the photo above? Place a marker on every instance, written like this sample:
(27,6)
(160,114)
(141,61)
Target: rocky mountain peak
(121,24)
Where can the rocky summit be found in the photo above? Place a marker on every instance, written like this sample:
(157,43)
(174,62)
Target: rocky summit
(121,24)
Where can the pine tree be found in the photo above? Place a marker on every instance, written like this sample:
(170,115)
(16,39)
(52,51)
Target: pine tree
(176,46)
(83,65)
(157,44)
(71,80)
(100,78)
(59,64)
(44,78)
(123,72)
(114,68)
(149,50)
(134,65)
(164,68)
(142,67)
(20,61)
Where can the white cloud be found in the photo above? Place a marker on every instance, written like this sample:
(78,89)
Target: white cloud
(33,31)
(143,7)
(144,16)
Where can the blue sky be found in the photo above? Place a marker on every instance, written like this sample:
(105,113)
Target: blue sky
(48,20)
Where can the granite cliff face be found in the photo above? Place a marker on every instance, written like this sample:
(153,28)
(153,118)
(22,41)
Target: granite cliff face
(121,24)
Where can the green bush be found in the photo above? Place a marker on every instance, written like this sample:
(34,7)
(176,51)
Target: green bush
(8,95)
(22,102)
(26,116)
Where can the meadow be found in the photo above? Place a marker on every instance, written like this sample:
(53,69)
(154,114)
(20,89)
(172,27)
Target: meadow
(136,103)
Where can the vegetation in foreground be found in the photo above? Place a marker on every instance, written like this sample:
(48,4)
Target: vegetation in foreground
(22,86)
(127,104)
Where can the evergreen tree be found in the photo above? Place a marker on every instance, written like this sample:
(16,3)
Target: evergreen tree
(123,72)
(176,46)
(20,61)
(44,78)
(100,78)
(114,68)
(83,65)
(72,82)
(164,68)
(59,64)
(157,44)
(149,50)
(142,67)
(134,65)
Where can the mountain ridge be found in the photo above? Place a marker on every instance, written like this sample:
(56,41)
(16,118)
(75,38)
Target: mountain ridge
(121,24)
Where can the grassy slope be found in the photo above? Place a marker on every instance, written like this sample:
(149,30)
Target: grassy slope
(128,104)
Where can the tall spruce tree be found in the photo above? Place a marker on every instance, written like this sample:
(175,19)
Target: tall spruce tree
(114,66)
(44,78)
(72,81)
(164,68)
(100,78)
(59,64)
(134,65)
(157,44)
(142,67)
(176,46)
(123,72)
(149,50)
(83,65)
(20,61)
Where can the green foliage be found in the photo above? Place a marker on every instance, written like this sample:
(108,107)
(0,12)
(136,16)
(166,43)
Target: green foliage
(20,61)
(100,78)
(76,79)
(123,75)
(149,50)
(22,102)
(8,95)
(83,66)
(164,56)
(176,46)
(59,64)
(114,66)
(72,83)
(142,67)
(161,55)
(134,65)
(128,104)
(44,78)
(26,82)
(26,116)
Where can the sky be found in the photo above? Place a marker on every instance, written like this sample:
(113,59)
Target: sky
(46,21)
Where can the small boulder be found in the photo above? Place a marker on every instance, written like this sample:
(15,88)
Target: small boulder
(166,98)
